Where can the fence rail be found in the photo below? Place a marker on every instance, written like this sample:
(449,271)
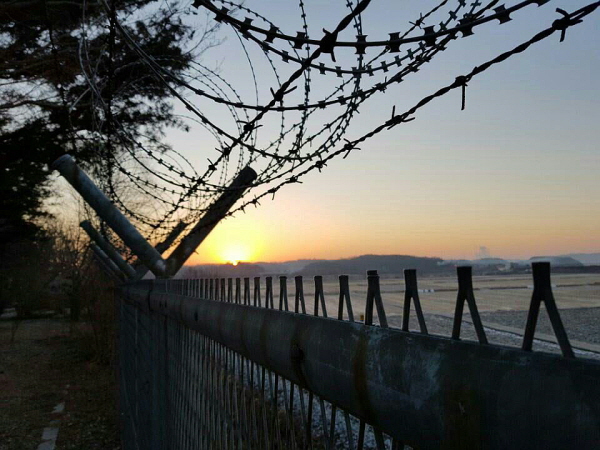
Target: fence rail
(215,364)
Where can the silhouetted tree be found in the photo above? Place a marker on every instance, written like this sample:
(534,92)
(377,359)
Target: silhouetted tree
(68,79)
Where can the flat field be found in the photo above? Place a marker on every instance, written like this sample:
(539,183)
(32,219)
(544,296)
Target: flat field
(438,294)
(503,302)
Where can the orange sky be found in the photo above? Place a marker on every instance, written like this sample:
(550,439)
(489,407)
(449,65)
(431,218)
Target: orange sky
(517,171)
(449,223)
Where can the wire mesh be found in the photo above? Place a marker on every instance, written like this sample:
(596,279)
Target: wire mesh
(243,376)
(180,389)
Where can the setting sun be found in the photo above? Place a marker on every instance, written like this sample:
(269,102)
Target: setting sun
(233,241)
(235,253)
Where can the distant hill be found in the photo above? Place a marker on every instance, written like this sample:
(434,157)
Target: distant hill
(556,261)
(588,259)
(221,271)
(384,264)
(284,268)
(488,262)
(482,262)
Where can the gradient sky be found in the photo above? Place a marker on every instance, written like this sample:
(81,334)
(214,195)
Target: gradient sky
(516,172)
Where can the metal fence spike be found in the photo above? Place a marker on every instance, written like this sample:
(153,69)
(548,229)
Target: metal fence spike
(238,291)
(542,292)
(345,299)
(247,291)
(411,292)
(257,301)
(269,293)
(374,300)
(465,293)
(299,304)
(319,296)
(283,297)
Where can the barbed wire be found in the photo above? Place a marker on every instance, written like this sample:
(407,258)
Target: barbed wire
(316,134)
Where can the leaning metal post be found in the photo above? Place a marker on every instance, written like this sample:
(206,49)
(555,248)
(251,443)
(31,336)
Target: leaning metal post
(161,247)
(109,266)
(110,214)
(209,220)
(108,249)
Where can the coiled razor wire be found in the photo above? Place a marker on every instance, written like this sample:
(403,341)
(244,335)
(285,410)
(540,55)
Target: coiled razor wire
(334,77)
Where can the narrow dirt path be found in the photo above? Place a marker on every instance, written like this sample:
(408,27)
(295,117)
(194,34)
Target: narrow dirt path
(43,368)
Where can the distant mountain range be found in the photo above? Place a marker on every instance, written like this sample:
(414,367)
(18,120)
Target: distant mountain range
(388,264)
(384,264)
(556,261)
(588,259)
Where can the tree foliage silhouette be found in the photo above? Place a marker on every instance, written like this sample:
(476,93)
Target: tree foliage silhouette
(67,79)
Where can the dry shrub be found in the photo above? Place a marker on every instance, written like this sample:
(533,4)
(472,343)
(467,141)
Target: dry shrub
(98,327)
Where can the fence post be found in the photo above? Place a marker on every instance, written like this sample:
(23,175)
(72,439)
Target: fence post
(411,292)
(299,297)
(542,292)
(247,291)
(465,292)
(108,249)
(109,266)
(319,296)
(161,247)
(257,301)
(217,211)
(374,299)
(283,297)
(345,297)
(110,214)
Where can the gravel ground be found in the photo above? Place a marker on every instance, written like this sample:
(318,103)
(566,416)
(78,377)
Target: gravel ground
(581,324)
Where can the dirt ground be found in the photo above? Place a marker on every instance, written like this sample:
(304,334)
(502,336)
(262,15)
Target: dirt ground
(45,366)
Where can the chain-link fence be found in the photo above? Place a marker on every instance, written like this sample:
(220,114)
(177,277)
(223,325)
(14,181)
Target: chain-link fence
(225,364)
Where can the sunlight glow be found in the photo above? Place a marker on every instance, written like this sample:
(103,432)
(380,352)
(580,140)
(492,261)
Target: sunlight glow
(235,253)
